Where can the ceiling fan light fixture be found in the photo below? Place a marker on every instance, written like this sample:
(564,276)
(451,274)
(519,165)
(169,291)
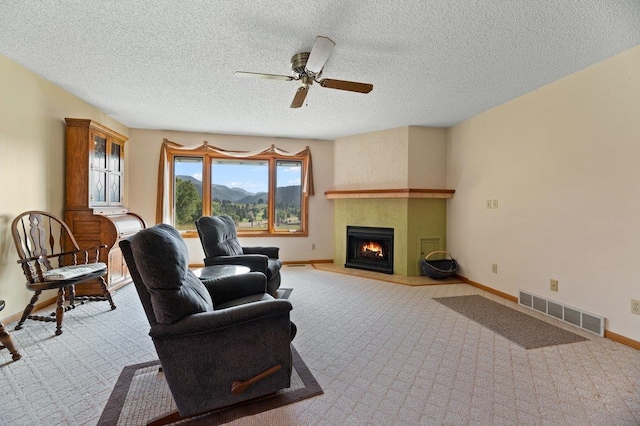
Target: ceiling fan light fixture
(299,62)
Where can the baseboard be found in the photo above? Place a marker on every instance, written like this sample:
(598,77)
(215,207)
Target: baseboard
(487,289)
(618,338)
(621,339)
(307,262)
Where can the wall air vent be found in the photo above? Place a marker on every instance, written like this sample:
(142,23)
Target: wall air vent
(584,320)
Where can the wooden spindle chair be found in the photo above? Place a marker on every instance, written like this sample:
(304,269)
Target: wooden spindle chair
(51,259)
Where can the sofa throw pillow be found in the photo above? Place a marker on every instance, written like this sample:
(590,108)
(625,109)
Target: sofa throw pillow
(162,260)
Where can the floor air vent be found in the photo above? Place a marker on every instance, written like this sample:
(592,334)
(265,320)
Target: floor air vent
(582,319)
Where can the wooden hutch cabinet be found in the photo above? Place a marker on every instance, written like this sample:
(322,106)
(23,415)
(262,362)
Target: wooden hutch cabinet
(94,189)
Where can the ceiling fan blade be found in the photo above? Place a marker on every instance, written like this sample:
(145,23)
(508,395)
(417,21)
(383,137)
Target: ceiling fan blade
(351,86)
(300,96)
(263,76)
(319,54)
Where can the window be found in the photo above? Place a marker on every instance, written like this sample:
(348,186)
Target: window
(288,196)
(263,193)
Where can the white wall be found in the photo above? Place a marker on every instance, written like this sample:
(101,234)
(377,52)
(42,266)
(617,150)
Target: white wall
(144,154)
(32,144)
(563,162)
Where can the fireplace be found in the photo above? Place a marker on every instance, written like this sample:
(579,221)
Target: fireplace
(370,248)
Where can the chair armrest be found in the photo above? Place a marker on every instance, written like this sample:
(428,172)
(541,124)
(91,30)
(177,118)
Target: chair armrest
(214,321)
(255,262)
(236,286)
(270,251)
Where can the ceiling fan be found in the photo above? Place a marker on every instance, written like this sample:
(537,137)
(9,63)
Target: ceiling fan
(306,67)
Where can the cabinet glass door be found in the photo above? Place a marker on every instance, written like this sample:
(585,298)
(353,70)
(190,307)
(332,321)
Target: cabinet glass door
(99,160)
(98,189)
(115,192)
(115,173)
(115,163)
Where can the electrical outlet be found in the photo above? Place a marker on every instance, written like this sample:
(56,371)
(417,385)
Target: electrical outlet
(635,306)
(488,204)
(313,246)
(494,268)
(553,285)
(495,204)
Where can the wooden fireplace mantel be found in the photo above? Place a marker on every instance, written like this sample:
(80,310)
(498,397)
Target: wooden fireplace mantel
(390,193)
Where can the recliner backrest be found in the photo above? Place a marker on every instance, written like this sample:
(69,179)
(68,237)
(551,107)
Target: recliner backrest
(218,236)
(143,293)
(162,263)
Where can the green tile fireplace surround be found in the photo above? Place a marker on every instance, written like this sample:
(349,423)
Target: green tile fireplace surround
(416,222)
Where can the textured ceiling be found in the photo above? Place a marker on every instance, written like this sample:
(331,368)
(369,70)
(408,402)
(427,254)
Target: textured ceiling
(156,64)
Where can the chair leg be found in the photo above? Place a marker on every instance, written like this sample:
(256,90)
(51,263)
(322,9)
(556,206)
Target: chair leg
(28,309)
(59,311)
(7,342)
(71,291)
(106,293)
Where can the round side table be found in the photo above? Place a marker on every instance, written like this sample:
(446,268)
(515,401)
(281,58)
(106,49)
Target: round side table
(220,271)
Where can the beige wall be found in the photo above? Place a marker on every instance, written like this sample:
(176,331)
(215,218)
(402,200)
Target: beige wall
(426,158)
(357,160)
(405,157)
(32,129)
(144,153)
(563,163)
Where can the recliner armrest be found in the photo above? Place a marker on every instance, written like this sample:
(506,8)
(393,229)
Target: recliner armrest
(271,251)
(236,286)
(214,321)
(255,262)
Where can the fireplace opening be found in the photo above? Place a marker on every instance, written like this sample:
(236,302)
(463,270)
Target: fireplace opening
(370,248)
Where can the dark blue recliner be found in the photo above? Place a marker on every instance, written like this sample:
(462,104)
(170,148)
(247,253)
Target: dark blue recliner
(219,239)
(219,342)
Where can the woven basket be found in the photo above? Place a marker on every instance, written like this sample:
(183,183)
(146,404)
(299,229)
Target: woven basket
(439,269)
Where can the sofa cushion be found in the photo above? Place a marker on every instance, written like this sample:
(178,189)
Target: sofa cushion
(162,260)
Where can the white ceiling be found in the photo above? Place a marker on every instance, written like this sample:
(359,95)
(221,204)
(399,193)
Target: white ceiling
(157,64)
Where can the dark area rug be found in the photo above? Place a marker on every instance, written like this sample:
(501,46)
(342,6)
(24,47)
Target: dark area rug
(141,394)
(522,329)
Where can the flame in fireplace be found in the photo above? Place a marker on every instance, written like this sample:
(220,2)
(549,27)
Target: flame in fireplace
(372,249)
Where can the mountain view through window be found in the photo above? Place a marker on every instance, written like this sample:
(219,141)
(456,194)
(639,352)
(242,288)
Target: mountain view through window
(240,189)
